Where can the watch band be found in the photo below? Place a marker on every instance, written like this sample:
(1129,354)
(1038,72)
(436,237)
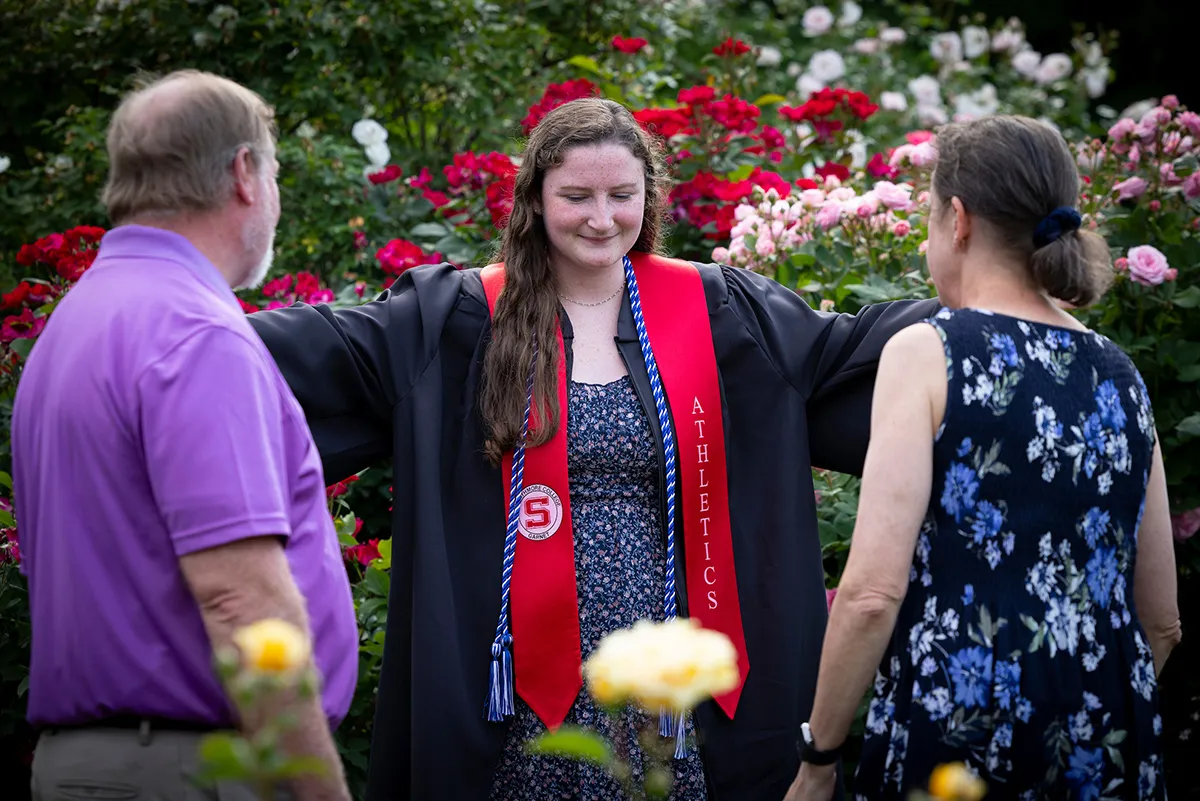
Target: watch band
(811,754)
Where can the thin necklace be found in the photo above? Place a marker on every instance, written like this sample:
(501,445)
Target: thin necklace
(597,303)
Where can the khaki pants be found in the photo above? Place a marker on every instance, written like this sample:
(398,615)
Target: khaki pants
(111,764)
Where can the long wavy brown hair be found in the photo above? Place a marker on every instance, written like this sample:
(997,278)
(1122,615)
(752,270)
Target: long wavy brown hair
(527,310)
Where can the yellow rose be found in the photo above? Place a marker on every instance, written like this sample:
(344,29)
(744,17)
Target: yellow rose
(954,782)
(676,664)
(272,646)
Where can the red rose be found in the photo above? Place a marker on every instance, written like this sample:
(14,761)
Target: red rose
(631,45)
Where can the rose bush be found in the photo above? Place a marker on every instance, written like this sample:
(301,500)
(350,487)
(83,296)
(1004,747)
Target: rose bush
(800,148)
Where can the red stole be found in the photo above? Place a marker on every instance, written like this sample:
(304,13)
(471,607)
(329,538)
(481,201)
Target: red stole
(544,599)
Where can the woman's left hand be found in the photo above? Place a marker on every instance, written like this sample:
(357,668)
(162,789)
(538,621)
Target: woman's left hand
(813,783)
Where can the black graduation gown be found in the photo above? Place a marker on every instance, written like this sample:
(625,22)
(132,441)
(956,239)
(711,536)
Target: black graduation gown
(399,376)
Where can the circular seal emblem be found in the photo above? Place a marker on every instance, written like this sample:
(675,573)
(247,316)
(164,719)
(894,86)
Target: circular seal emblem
(541,512)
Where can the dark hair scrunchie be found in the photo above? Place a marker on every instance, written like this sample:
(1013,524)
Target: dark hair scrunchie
(1062,220)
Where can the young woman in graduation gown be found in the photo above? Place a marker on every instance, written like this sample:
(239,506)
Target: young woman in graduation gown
(585,434)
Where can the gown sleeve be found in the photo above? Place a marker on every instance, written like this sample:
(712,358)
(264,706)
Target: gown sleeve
(349,368)
(829,358)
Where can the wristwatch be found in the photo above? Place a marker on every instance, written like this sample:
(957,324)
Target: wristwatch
(809,752)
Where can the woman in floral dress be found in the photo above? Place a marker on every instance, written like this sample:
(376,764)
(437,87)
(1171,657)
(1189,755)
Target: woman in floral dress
(1012,580)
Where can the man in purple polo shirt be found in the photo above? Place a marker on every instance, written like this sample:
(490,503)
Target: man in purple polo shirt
(168,488)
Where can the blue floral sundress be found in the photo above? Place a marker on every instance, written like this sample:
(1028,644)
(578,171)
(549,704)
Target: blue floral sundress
(1018,649)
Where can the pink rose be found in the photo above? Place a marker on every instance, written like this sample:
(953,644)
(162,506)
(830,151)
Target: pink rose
(901,228)
(1147,265)
(1130,188)
(1122,130)
(1191,186)
(1121,264)
(1191,121)
(898,197)
(1170,102)
(924,154)
(1167,172)
(720,255)
(1182,525)
(864,206)
(831,594)
(924,246)
(812,198)
(1155,205)
(765,246)
(829,215)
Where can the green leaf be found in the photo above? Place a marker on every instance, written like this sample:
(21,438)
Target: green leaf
(385,553)
(226,756)
(301,766)
(5,480)
(378,582)
(1188,298)
(6,519)
(585,62)
(741,173)
(1190,373)
(21,347)
(345,525)
(769,100)
(870,294)
(23,687)
(428,230)
(1189,426)
(574,742)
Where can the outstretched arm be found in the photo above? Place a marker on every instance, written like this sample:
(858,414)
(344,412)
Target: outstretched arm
(349,368)
(910,395)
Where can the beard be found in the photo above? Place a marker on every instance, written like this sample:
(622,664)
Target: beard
(253,234)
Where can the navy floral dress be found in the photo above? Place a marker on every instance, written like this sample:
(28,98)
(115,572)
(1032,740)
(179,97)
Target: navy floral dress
(1018,648)
(620,571)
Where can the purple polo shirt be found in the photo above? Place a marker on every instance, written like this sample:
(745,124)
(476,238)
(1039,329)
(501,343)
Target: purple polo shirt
(150,423)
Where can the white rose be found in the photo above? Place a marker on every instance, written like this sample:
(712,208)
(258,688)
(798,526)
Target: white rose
(981,103)
(305,130)
(1007,40)
(675,664)
(1054,67)
(1027,62)
(769,56)
(1095,79)
(851,13)
(5,163)
(867,46)
(926,90)
(947,47)
(378,154)
(893,101)
(827,66)
(817,20)
(976,41)
(369,132)
(807,84)
(794,69)
(931,115)
(892,35)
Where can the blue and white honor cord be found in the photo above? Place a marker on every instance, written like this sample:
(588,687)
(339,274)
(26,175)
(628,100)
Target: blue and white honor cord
(669,724)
